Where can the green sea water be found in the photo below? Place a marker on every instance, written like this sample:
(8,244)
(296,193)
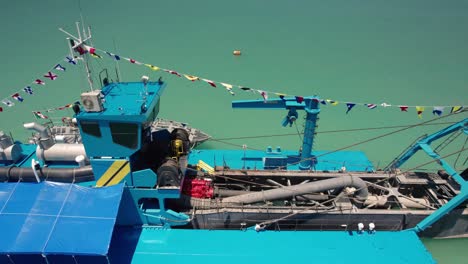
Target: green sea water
(366,51)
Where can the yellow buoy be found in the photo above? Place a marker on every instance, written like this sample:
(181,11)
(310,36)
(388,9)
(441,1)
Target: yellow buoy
(236,52)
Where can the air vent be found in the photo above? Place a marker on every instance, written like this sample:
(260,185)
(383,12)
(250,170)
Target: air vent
(92,101)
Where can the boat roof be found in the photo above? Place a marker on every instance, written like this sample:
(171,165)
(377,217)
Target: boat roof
(124,100)
(51,218)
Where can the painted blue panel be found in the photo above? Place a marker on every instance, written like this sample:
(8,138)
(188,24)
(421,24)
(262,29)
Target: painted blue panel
(222,246)
(235,159)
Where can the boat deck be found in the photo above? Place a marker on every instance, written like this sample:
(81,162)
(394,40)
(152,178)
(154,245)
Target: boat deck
(151,245)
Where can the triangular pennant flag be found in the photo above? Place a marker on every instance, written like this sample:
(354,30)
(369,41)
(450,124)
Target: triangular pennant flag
(280,95)
(438,110)
(419,111)
(8,102)
(39,81)
(245,88)
(371,106)
(94,55)
(152,67)
(28,90)
(40,115)
(70,60)
(299,99)
(264,95)
(114,56)
(51,76)
(59,67)
(403,108)
(17,97)
(228,87)
(385,105)
(350,106)
(324,102)
(134,61)
(332,102)
(191,77)
(456,109)
(173,72)
(210,82)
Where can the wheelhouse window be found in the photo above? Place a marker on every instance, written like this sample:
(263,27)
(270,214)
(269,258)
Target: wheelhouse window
(124,134)
(91,128)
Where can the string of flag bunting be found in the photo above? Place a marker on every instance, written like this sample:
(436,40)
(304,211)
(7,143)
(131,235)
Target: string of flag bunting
(436,110)
(84,49)
(41,114)
(51,75)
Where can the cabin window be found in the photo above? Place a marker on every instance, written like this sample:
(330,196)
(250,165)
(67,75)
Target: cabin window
(91,128)
(124,134)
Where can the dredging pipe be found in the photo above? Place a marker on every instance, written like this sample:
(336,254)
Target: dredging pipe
(13,174)
(300,189)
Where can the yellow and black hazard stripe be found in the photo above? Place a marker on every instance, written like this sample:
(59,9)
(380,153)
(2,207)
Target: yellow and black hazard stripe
(114,174)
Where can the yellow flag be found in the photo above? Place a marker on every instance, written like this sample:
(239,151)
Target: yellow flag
(191,77)
(332,102)
(419,111)
(154,68)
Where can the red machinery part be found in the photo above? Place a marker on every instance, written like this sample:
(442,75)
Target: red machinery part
(198,188)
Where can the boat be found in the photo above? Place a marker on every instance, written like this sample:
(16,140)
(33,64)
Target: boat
(147,190)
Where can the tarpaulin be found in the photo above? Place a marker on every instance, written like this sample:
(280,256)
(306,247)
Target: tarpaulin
(56,219)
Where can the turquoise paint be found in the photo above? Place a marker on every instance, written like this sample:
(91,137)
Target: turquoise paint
(238,159)
(152,245)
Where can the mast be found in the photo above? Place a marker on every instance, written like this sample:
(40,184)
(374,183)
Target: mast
(75,42)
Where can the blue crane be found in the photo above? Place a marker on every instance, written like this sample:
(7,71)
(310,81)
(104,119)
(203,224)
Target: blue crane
(309,104)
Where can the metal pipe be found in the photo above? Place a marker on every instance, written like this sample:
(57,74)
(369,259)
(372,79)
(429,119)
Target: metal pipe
(38,128)
(13,174)
(300,189)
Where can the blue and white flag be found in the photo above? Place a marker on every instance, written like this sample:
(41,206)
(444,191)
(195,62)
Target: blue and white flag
(28,90)
(59,67)
(17,97)
(70,60)
(8,102)
(350,106)
(438,110)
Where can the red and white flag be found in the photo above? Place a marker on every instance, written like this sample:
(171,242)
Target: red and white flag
(40,115)
(210,82)
(173,72)
(39,81)
(51,76)
(264,95)
(371,106)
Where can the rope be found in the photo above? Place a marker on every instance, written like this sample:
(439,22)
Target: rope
(458,156)
(328,131)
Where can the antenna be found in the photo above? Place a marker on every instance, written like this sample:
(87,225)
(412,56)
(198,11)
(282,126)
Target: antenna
(75,42)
